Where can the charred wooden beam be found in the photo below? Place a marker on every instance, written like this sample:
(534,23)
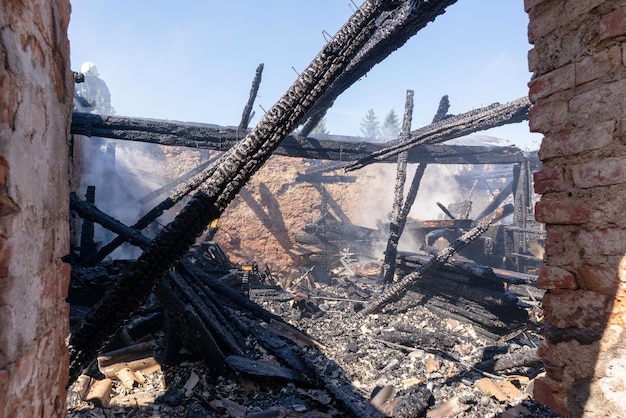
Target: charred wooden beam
(232,172)
(247,110)
(89,211)
(183,190)
(442,110)
(394,29)
(332,147)
(396,290)
(454,127)
(498,199)
(445,210)
(388,267)
(87,245)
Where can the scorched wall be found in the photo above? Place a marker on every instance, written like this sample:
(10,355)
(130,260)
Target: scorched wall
(578,92)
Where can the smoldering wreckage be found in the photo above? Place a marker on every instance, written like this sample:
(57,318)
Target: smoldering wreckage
(448,329)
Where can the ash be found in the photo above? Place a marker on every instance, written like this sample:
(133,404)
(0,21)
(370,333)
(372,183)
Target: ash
(412,359)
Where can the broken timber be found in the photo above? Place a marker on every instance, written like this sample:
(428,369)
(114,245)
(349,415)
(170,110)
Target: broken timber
(337,148)
(231,173)
(388,268)
(396,290)
(393,29)
(453,127)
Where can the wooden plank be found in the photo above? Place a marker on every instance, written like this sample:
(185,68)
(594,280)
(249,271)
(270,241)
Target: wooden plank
(257,368)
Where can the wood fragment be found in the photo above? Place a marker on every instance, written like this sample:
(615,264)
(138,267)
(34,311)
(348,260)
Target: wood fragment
(146,365)
(450,408)
(502,390)
(133,352)
(126,376)
(100,392)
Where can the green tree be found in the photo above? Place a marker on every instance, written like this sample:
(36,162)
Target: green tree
(370,127)
(391,126)
(320,128)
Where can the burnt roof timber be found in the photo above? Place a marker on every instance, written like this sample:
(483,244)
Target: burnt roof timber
(334,148)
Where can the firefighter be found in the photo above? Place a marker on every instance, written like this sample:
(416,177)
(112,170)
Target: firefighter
(92,95)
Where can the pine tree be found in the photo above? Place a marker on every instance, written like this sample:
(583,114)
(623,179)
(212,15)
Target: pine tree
(370,127)
(391,126)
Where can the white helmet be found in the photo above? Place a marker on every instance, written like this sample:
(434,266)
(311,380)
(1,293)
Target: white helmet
(89,68)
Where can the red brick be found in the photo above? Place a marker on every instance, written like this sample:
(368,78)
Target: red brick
(562,212)
(577,141)
(605,63)
(549,180)
(544,394)
(598,279)
(556,278)
(555,244)
(546,18)
(602,242)
(4,165)
(548,117)
(577,7)
(581,309)
(557,80)
(613,24)
(533,60)
(600,104)
(602,172)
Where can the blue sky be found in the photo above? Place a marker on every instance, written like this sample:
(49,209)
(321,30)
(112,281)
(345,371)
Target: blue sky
(195,60)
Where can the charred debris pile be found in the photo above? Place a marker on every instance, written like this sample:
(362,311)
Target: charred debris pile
(182,331)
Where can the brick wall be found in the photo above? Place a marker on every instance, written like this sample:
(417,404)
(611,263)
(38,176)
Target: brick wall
(578,91)
(35,105)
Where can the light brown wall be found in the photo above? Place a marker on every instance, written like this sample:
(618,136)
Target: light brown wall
(35,105)
(578,92)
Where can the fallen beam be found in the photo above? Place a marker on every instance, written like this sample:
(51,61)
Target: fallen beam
(398,289)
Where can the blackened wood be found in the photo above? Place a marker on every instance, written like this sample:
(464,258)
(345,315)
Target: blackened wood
(207,314)
(88,211)
(87,245)
(442,109)
(328,147)
(396,290)
(393,29)
(195,332)
(445,210)
(256,368)
(454,127)
(247,110)
(236,298)
(388,268)
(525,357)
(497,200)
(233,171)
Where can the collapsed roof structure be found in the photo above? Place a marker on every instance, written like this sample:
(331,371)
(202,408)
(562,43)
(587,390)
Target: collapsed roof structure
(375,30)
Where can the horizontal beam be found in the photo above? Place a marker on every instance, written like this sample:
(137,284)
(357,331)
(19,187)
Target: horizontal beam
(332,147)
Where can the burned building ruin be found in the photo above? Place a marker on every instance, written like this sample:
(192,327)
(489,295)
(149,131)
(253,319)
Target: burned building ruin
(235,315)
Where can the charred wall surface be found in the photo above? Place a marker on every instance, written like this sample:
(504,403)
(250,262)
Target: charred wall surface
(578,90)
(35,92)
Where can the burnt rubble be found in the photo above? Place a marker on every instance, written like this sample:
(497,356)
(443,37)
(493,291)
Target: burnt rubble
(450,330)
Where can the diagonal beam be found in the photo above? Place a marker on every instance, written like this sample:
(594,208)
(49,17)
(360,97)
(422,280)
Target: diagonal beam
(230,174)
(453,127)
